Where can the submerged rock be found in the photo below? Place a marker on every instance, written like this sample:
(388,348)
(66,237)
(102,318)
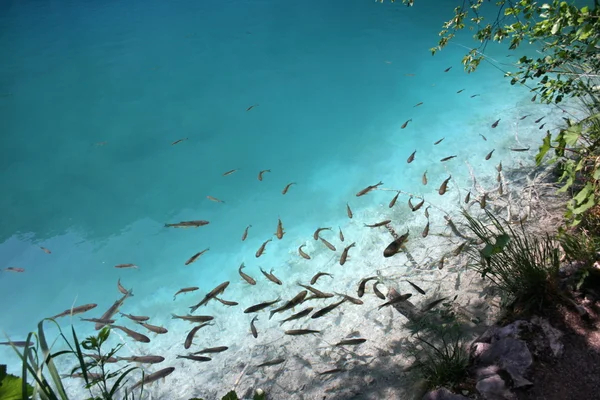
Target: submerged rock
(443,394)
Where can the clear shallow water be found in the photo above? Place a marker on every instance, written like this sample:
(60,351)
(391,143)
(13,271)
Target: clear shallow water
(331,84)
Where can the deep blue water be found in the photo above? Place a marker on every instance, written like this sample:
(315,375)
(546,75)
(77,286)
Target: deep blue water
(92,94)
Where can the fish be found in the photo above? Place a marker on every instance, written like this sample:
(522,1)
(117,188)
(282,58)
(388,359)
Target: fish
(245,234)
(424,179)
(350,298)
(432,304)
(142,359)
(280,232)
(271,363)
(316,234)
(483,201)
(163,373)
(332,371)
(251,107)
(318,294)
(378,224)
(396,300)
(99,321)
(393,202)
(190,336)
(46,250)
(135,318)
(447,158)
(418,104)
(245,276)
(113,309)
(159,330)
(196,358)
(344,256)
(418,289)
(285,190)
(298,299)
(500,187)
(447,69)
(534,97)
(461,90)
(489,155)
(468,197)
(350,342)
(295,332)
(419,205)
(524,116)
(405,124)
(178,141)
(226,302)
(483,137)
(329,245)
(121,266)
(76,310)
(327,309)
(261,249)
(441,263)
(132,334)
(444,186)
(99,144)
(499,177)
(187,224)
(542,126)
(427,212)
(411,157)
(537,121)
(121,288)
(499,167)
(439,141)
(377,292)
(230,172)
(215,292)
(318,275)
(14,269)
(363,283)
(495,124)
(349,211)
(186,290)
(519,149)
(17,343)
(211,198)
(261,306)
(302,253)
(459,249)
(269,275)
(260,174)
(365,191)
(341,234)
(193,318)
(195,256)
(425,230)
(253,328)
(209,350)
(395,247)
(475,95)
(298,315)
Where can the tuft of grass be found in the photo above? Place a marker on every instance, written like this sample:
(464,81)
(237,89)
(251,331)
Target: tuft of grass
(524,267)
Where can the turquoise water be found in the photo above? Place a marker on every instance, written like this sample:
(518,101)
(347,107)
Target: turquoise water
(92,96)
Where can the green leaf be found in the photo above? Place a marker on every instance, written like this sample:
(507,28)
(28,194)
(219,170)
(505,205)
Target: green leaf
(544,148)
(572,134)
(584,193)
(591,202)
(231,396)
(10,387)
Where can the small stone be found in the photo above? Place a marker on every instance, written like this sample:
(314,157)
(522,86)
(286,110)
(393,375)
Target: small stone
(443,394)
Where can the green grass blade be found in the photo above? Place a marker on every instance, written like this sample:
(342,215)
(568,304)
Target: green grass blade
(118,382)
(49,362)
(80,356)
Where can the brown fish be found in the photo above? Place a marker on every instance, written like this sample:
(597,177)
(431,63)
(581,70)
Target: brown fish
(439,141)
(461,90)
(418,104)
(121,266)
(424,179)
(261,249)
(210,350)
(363,283)
(459,249)
(427,212)
(520,149)
(405,124)
(46,250)
(426,230)
(195,358)
(285,190)
(251,107)
(245,276)
(534,97)
(433,304)
(226,302)
(468,197)
(483,201)
(215,292)
(154,377)
(260,174)
(396,300)
(378,224)
(193,318)
(178,141)
(215,199)
(489,155)
(524,116)
(132,334)
(447,158)
(396,246)
(537,121)
(365,191)
(230,172)
(295,332)
(483,137)
(475,95)
(153,328)
(350,298)
(441,263)
(187,224)
(393,202)
(121,288)
(253,328)
(495,124)
(316,234)
(377,292)
(447,69)
(271,277)
(245,235)
(195,256)
(329,245)
(418,289)
(318,294)
(298,315)
(99,321)
(186,290)
(135,317)
(17,343)
(419,205)
(542,126)
(190,336)
(14,269)
(327,309)
(350,342)
(113,309)
(341,234)
(142,359)
(444,186)
(499,167)
(260,306)
(271,363)
(411,157)
(280,232)
(318,275)
(344,256)
(302,253)
(298,299)
(349,211)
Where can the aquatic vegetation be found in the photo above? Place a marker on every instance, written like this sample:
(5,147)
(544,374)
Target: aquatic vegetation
(520,264)
(11,386)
